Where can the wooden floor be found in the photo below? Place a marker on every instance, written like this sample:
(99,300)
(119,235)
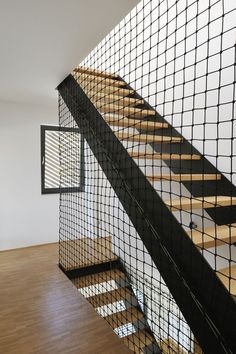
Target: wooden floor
(42,312)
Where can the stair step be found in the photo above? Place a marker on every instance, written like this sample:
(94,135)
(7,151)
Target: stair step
(109,297)
(139,340)
(84,70)
(88,89)
(163,156)
(169,346)
(116,99)
(134,123)
(228,278)
(185,177)
(101,277)
(213,236)
(143,138)
(118,319)
(200,203)
(87,252)
(124,111)
(85,79)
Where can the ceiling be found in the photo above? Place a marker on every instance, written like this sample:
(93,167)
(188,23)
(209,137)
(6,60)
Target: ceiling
(41,41)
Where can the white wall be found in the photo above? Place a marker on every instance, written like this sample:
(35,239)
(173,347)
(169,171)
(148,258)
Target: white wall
(142,45)
(26,217)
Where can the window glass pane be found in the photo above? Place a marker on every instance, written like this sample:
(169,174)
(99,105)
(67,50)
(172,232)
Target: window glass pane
(61,159)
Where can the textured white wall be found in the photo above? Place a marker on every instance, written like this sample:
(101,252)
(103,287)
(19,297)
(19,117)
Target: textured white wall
(161,65)
(26,217)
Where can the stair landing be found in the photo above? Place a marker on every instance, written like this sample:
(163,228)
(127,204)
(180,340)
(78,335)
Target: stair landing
(85,252)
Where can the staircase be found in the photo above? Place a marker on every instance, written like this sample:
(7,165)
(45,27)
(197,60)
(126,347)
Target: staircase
(111,294)
(118,305)
(99,275)
(127,110)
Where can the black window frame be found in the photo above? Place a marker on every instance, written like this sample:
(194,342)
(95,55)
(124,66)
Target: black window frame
(80,188)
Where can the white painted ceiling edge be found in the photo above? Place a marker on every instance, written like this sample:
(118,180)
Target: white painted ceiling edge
(41,41)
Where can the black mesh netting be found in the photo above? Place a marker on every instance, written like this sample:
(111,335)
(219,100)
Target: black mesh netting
(150,238)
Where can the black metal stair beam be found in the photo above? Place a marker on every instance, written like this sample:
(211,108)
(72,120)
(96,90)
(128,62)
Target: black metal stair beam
(204,301)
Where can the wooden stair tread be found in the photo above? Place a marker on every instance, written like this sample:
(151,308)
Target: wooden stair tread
(169,346)
(123,110)
(129,315)
(200,203)
(109,297)
(148,138)
(185,177)
(228,278)
(213,236)
(163,156)
(107,89)
(139,340)
(93,80)
(98,278)
(84,70)
(87,252)
(134,123)
(115,99)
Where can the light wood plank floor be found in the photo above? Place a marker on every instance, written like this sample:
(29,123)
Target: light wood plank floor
(41,311)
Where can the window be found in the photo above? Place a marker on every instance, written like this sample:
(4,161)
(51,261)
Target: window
(62,161)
